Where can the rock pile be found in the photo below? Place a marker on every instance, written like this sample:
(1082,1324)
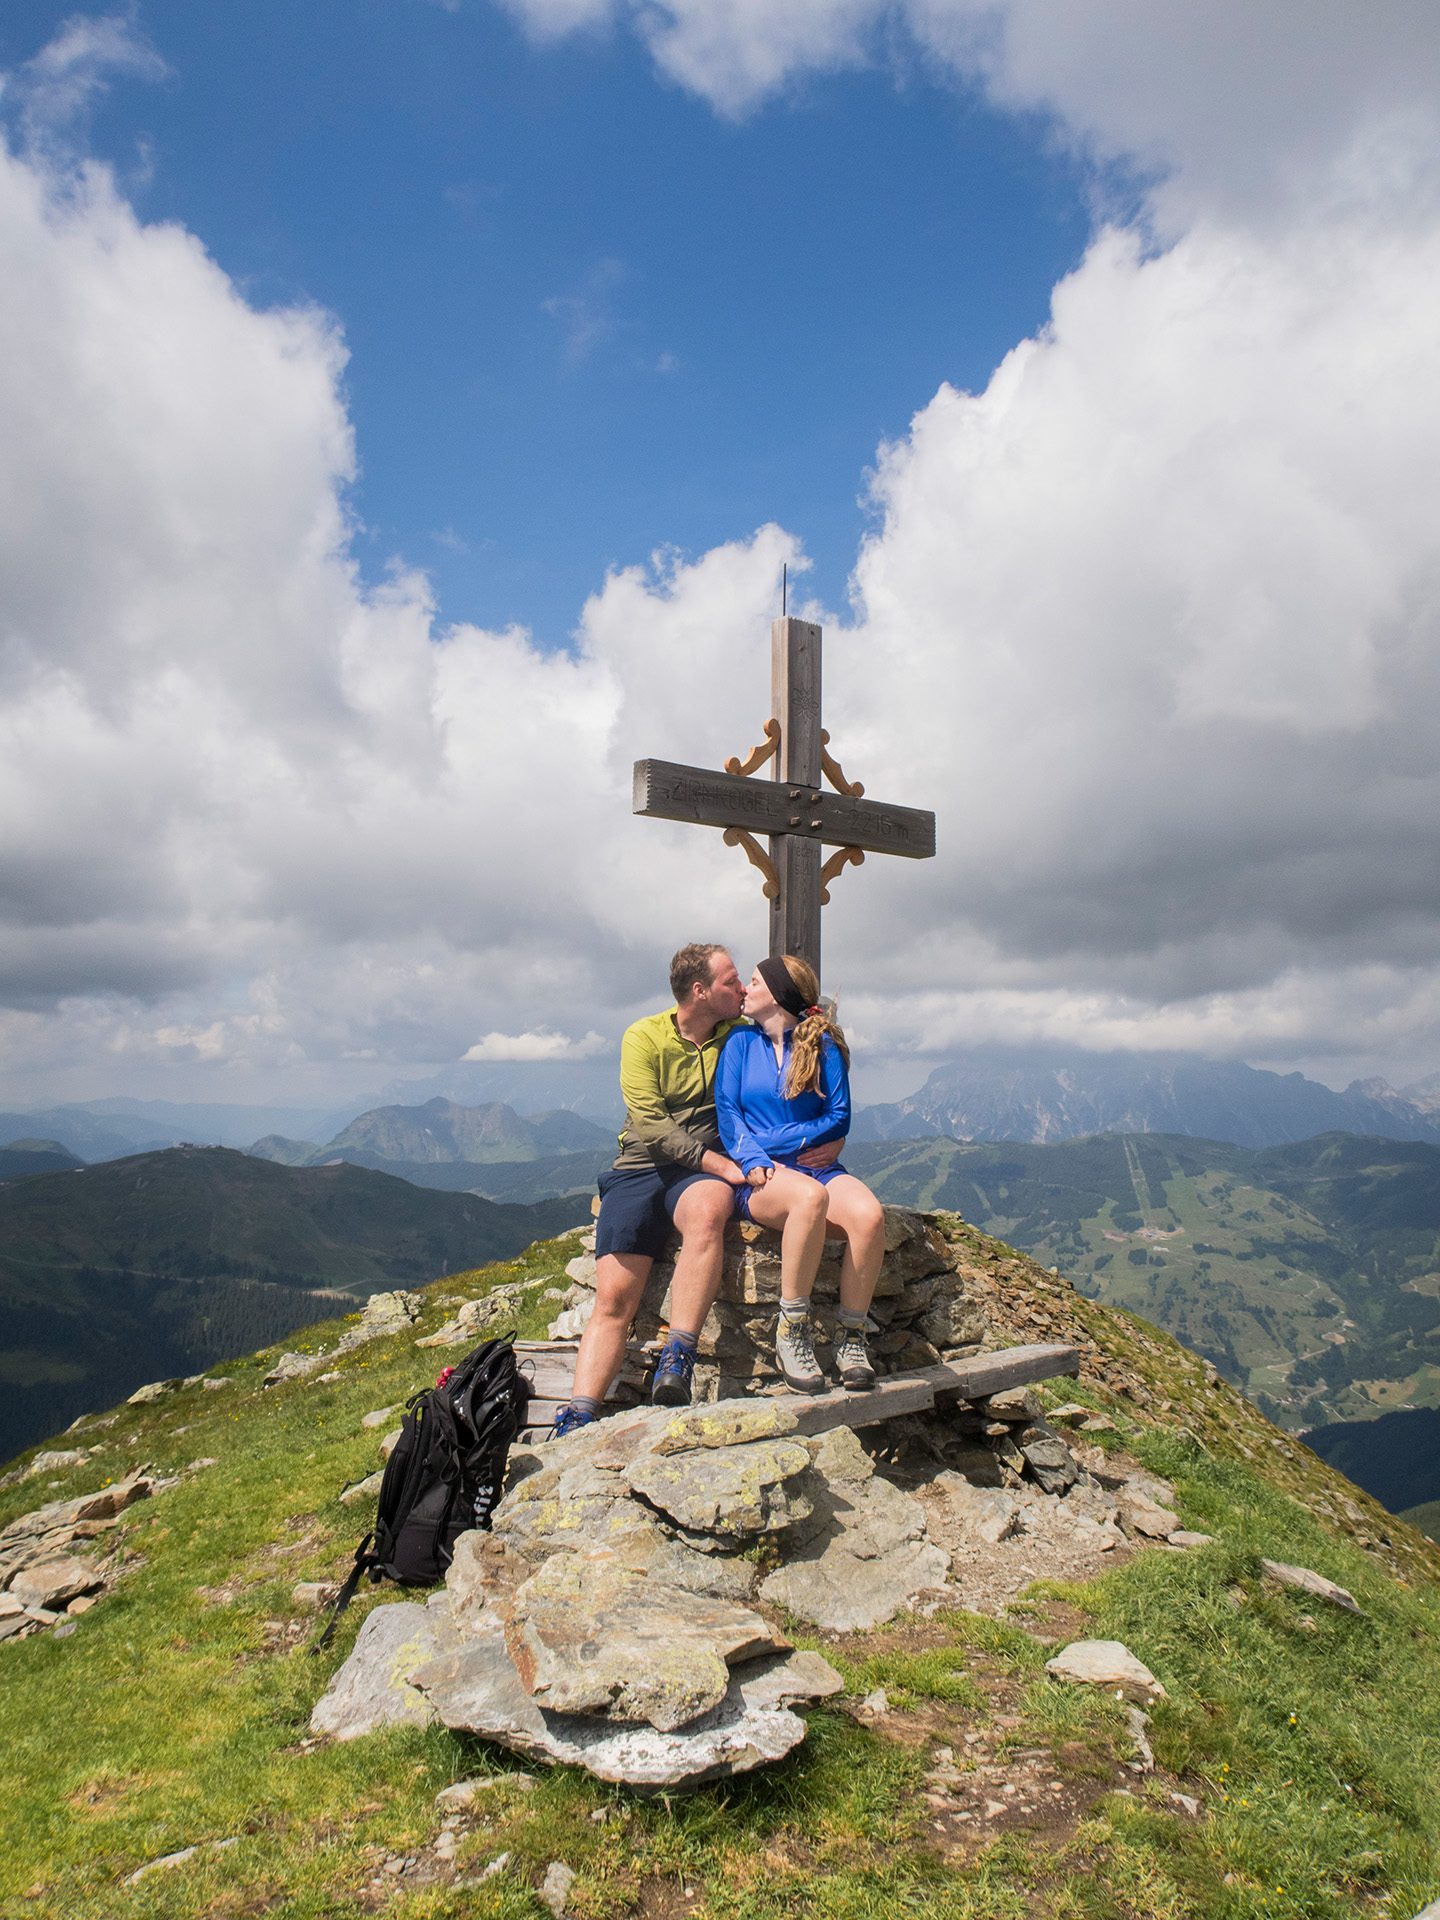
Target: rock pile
(924,1307)
(42,1580)
(621,1615)
(605,1620)
(474,1318)
(383,1313)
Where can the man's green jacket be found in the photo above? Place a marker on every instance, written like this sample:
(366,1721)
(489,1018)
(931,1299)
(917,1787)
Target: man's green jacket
(668,1085)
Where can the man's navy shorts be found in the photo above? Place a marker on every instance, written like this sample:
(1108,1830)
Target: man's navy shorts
(637,1207)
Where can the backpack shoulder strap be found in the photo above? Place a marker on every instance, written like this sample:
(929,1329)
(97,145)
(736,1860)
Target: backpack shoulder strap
(364,1563)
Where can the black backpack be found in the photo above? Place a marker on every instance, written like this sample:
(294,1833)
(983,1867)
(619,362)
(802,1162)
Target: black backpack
(445,1472)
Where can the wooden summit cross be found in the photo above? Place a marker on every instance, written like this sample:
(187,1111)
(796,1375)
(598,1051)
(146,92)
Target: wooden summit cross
(790,808)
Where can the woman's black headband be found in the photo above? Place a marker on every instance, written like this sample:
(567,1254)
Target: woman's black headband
(783,989)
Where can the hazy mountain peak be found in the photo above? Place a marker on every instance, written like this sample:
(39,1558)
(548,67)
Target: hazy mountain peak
(986,1095)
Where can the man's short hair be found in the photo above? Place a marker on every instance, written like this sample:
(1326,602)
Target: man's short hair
(691,967)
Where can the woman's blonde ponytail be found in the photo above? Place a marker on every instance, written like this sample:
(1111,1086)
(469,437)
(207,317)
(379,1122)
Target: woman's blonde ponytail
(807,1043)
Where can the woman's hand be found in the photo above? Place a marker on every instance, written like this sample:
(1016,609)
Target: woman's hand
(757,1176)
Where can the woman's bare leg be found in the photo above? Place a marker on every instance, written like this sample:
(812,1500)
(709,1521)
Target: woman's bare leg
(855,1210)
(797,1206)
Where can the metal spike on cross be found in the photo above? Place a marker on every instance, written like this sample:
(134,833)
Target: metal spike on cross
(790,809)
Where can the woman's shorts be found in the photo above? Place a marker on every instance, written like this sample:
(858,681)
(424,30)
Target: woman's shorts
(823,1174)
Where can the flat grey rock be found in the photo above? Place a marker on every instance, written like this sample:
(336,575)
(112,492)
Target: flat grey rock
(1303,1580)
(290,1366)
(52,1584)
(988,1513)
(156,1390)
(728,1423)
(864,1556)
(588,1636)
(1106,1663)
(729,1490)
(477,1690)
(375,1686)
(555,1887)
(57,1460)
(1144,1515)
(363,1490)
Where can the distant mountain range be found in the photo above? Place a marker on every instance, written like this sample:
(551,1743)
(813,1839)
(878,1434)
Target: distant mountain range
(488,1150)
(1309,1274)
(989,1096)
(110,1129)
(981,1095)
(166,1262)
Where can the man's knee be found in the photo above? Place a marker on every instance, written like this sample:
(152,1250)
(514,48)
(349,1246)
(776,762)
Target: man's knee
(619,1283)
(704,1212)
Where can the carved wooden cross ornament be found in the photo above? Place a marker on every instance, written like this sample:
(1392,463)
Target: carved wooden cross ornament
(790,809)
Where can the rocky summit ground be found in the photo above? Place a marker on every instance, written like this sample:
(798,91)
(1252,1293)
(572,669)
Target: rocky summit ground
(1209,1688)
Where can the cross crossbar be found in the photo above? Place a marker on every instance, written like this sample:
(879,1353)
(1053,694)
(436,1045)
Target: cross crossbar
(791,808)
(667,791)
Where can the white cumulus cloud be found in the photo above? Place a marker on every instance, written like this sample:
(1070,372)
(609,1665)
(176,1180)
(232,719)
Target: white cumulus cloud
(543,1044)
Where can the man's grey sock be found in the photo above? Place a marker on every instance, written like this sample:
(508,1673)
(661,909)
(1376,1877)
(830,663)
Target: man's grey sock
(584,1403)
(794,1309)
(849,1318)
(689,1341)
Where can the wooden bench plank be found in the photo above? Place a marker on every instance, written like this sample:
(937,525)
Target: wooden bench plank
(916,1392)
(887,1400)
(986,1373)
(902,1393)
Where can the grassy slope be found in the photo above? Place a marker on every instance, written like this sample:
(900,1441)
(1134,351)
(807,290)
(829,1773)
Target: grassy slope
(1426,1517)
(176,1713)
(1260,1260)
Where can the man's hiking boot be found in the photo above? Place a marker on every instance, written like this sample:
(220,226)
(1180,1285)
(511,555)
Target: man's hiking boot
(852,1360)
(674,1371)
(795,1352)
(568,1420)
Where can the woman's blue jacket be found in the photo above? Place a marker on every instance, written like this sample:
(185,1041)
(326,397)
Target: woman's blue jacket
(758,1125)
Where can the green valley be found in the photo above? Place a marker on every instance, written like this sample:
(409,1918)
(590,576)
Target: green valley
(1308,1274)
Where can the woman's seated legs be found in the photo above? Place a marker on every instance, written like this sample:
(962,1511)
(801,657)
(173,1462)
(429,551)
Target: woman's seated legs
(861,1218)
(797,1206)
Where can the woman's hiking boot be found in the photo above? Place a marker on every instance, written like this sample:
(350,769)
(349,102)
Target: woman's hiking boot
(674,1371)
(795,1353)
(852,1359)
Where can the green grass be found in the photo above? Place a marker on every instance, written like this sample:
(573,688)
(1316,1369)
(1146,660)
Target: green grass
(1426,1517)
(176,1714)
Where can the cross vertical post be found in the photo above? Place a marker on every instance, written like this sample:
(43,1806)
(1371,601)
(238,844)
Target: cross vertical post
(795,696)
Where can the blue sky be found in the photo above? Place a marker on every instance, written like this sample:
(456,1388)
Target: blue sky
(587,316)
(406,411)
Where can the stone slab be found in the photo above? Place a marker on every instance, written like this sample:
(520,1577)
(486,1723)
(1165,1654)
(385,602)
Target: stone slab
(1106,1663)
(477,1690)
(588,1636)
(1303,1580)
(734,1491)
(375,1686)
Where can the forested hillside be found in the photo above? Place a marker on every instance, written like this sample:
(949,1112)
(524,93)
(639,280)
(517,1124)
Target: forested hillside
(166,1263)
